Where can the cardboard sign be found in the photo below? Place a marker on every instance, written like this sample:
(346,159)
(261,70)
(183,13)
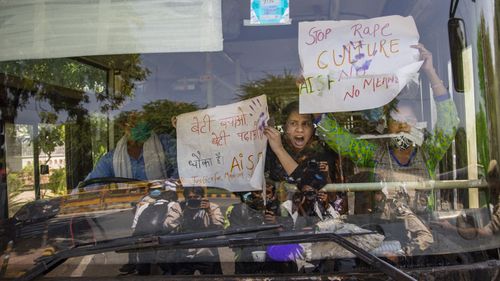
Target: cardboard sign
(224,146)
(356,65)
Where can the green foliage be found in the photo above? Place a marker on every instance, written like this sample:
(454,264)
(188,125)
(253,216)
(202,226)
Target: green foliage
(279,89)
(73,81)
(57,181)
(159,114)
(482,137)
(15,187)
(131,71)
(282,89)
(27,171)
(99,127)
(482,133)
(50,137)
(97,153)
(14,183)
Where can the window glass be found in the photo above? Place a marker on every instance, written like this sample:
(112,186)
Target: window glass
(110,150)
(48,29)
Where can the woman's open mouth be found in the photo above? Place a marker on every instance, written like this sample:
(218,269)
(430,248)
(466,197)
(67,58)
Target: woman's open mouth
(298,141)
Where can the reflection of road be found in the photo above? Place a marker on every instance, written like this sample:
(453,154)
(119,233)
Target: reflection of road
(118,225)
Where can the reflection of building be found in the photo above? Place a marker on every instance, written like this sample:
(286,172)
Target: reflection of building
(19,151)
(57,159)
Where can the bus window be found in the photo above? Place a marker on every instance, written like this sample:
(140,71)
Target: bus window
(255,138)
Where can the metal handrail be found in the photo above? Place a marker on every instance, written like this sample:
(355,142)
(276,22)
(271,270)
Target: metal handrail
(419,185)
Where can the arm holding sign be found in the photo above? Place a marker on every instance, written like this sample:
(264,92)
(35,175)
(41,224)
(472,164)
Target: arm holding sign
(440,139)
(293,151)
(362,152)
(274,137)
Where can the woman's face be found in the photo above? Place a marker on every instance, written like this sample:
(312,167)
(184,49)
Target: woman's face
(401,120)
(299,130)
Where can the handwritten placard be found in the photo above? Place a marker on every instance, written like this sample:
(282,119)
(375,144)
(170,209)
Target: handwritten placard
(356,65)
(224,146)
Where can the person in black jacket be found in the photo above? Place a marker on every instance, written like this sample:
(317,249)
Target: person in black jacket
(290,154)
(253,210)
(198,215)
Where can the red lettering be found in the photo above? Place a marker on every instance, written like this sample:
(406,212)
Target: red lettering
(373,31)
(318,35)
(354,93)
(368,82)
(383,30)
(357,27)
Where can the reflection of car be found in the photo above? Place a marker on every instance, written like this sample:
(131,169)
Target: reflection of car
(81,217)
(91,220)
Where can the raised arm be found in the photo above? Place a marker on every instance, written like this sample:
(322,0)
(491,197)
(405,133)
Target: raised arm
(286,161)
(361,152)
(444,132)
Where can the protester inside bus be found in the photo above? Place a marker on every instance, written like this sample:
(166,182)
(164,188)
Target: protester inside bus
(252,211)
(140,154)
(309,204)
(292,152)
(157,213)
(401,159)
(198,214)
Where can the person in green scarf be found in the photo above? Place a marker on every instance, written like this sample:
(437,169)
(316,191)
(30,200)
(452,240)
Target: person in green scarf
(404,158)
(140,154)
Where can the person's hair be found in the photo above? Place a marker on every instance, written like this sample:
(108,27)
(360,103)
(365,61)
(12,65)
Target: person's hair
(198,190)
(291,108)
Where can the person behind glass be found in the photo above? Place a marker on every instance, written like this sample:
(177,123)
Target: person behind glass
(290,154)
(198,214)
(252,211)
(157,213)
(401,158)
(140,154)
(310,204)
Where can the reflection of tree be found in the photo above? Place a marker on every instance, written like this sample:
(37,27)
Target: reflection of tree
(279,89)
(481,125)
(487,124)
(50,135)
(282,89)
(99,125)
(68,85)
(158,114)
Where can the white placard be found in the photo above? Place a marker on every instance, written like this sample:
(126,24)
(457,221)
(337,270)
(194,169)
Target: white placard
(224,146)
(356,65)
